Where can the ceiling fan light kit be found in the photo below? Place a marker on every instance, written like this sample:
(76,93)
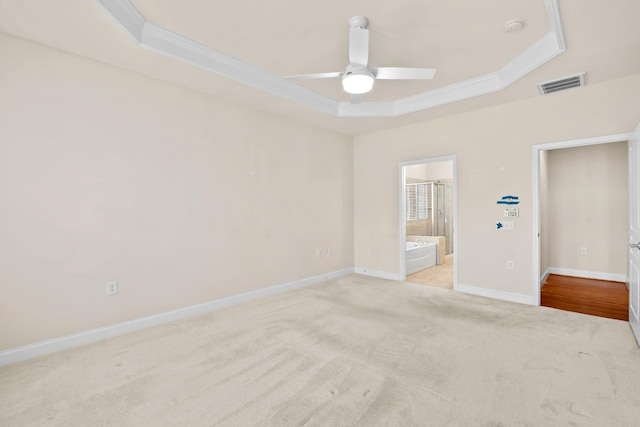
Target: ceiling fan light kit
(357,80)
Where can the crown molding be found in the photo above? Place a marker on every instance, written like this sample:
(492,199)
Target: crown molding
(179,47)
(456,92)
(367,109)
(555,22)
(161,40)
(123,13)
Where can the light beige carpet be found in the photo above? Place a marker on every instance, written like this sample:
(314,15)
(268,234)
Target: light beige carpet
(355,351)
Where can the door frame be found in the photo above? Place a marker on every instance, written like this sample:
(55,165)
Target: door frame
(403,210)
(537,279)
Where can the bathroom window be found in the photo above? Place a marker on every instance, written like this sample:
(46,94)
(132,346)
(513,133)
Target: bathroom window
(418,201)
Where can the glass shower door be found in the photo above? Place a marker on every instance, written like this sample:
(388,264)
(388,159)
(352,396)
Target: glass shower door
(443,220)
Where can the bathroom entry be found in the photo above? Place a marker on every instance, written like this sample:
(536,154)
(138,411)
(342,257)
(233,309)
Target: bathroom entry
(427,221)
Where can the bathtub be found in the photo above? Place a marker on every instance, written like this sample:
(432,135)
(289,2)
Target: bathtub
(420,256)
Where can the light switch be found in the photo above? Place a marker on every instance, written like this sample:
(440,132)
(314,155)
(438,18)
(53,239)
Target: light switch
(511,213)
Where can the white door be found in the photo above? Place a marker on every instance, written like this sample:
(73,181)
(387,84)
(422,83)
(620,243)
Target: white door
(634,232)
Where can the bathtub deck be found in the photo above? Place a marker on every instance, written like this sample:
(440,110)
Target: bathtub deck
(589,296)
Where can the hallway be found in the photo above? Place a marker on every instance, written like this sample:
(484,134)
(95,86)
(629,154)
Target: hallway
(588,296)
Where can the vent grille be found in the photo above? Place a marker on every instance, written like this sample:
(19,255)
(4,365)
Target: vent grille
(562,84)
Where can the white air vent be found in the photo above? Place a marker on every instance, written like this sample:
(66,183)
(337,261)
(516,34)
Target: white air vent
(562,84)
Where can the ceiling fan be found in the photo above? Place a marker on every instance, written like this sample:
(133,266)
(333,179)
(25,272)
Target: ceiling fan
(358,77)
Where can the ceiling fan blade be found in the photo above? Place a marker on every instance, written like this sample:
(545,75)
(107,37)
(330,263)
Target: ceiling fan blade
(400,73)
(315,76)
(358,46)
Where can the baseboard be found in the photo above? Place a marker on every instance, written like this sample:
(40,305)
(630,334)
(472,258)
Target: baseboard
(588,274)
(496,294)
(636,331)
(544,277)
(378,273)
(30,351)
(473,290)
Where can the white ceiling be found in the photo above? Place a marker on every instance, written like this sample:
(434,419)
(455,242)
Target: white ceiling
(462,39)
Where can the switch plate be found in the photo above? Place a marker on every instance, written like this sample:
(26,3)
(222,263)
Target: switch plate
(508,225)
(511,213)
(510,265)
(112,287)
(583,251)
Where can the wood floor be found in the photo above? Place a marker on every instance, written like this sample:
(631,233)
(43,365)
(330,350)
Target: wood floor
(589,296)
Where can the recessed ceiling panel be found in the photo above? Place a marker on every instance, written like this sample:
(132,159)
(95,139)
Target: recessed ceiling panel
(462,39)
(286,37)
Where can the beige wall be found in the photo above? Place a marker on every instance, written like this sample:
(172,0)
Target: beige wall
(430,171)
(587,207)
(493,148)
(181,198)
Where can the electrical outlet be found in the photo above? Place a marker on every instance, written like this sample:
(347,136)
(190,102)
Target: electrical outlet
(510,265)
(112,287)
(583,251)
(318,253)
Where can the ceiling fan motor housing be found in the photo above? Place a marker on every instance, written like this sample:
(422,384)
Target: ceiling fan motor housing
(358,22)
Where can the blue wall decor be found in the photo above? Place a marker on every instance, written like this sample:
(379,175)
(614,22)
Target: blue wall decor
(509,200)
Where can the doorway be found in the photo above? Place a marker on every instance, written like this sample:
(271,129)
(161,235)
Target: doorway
(573,234)
(428,213)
